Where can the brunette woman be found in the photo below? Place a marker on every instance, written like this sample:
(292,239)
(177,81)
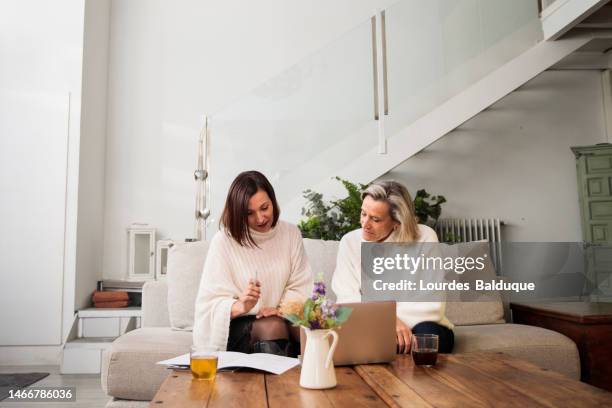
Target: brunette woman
(255,263)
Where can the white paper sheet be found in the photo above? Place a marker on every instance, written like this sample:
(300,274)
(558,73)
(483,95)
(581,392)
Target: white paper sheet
(260,361)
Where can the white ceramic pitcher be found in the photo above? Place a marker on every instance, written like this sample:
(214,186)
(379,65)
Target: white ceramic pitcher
(317,364)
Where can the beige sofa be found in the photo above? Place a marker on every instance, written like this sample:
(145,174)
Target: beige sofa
(131,377)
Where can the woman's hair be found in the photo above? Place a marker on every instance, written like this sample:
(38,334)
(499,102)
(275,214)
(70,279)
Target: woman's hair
(401,207)
(236,211)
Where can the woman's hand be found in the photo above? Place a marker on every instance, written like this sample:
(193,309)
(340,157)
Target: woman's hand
(247,299)
(267,312)
(404,337)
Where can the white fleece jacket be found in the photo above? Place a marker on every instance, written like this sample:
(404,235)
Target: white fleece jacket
(346,281)
(280,264)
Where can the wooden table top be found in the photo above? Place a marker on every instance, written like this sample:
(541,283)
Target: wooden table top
(579,312)
(457,380)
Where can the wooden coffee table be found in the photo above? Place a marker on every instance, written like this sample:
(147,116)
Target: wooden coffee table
(470,380)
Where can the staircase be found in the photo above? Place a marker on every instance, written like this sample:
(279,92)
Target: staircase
(437,65)
(92,333)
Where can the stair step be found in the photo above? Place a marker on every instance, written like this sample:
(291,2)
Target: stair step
(101,322)
(84,355)
(131,311)
(90,342)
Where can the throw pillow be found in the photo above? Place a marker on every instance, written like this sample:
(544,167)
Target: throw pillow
(185,265)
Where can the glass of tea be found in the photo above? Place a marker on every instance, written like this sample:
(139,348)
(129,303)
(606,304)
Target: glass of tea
(203,363)
(425,349)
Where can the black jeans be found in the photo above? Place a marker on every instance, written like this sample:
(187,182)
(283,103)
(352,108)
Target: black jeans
(446,337)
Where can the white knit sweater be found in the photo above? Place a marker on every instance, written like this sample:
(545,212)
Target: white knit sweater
(279,263)
(346,281)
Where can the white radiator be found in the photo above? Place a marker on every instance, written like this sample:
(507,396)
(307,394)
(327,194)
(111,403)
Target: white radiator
(453,230)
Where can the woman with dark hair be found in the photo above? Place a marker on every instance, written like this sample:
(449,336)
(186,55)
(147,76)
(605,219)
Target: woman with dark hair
(388,215)
(254,263)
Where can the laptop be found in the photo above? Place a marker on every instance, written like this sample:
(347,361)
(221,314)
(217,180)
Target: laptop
(368,336)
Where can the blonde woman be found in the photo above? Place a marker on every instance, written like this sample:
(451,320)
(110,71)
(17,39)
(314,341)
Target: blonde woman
(388,215)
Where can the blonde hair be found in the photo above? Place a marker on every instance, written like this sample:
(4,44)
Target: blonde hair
(401,207)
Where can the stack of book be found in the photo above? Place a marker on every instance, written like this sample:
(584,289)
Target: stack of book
(133,288)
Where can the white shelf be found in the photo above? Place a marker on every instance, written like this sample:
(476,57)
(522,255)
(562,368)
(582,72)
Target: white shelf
(131,311)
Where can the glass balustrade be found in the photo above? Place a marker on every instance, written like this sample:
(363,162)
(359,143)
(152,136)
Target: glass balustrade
(292,127)
(305,124)
(436,49)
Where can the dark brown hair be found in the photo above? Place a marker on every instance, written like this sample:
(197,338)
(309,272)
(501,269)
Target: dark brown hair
(236,211)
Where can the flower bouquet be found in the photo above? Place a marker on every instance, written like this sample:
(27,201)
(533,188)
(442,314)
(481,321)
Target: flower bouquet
(318,316)
(316,312)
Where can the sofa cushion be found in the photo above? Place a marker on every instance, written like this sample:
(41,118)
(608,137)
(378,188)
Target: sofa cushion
(155,304)
(185,265)
(471,313)
(489,308)
(545,348)
(128,366)
(322,257)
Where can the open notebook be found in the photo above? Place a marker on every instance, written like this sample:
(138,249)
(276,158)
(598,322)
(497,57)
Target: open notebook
(231,360)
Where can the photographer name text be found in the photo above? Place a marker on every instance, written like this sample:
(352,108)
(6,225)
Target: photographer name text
(480,285)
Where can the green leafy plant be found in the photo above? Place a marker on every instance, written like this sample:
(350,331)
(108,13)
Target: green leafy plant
(425,209)
(331,220)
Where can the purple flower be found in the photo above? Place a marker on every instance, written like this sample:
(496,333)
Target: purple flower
(314,325)
(318,290)
(328,309)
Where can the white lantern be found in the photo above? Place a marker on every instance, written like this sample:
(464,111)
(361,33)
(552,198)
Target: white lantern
(141,252)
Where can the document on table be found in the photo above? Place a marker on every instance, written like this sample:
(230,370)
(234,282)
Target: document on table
(259,361)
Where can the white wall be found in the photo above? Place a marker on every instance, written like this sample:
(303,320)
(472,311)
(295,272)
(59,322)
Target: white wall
(40,91)
(90,222)
(170,62)
(513,161)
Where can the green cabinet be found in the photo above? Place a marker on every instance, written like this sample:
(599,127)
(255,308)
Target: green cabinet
(594,171)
